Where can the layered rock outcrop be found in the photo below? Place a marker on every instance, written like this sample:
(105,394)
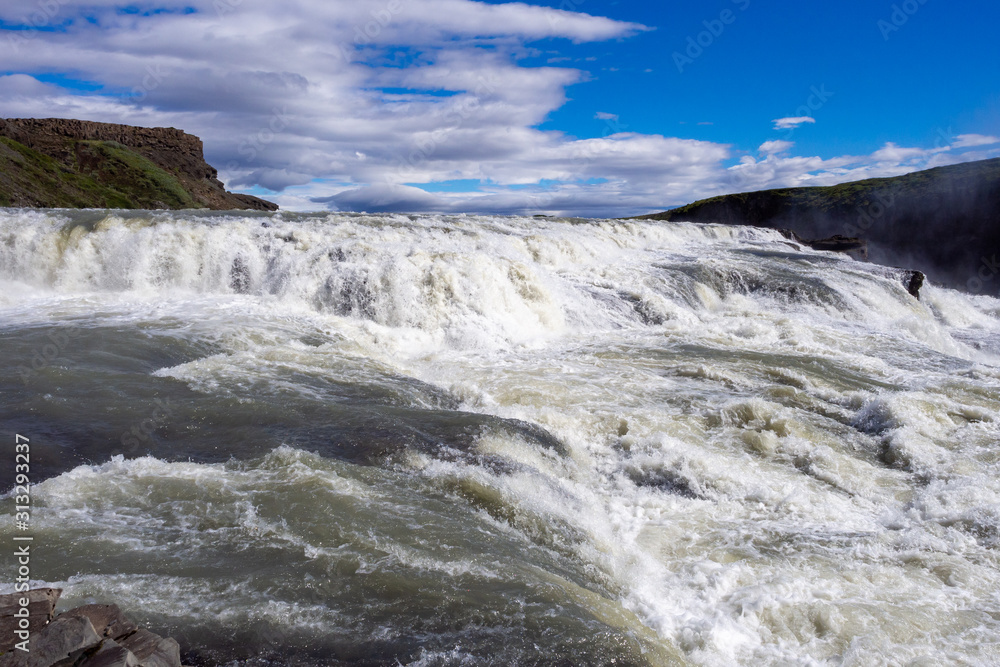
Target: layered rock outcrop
(104,165)
(94,635)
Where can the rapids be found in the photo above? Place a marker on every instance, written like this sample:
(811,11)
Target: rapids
(423,440)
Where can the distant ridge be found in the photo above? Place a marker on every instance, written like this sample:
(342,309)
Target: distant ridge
(63,163)
(944,221)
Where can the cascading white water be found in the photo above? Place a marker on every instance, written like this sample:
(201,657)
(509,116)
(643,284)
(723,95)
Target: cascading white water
(716,445)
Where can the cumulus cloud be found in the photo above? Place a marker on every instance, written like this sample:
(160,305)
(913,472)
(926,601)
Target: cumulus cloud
(776,146)
(891,153)
(791,122)
(349,103)
(970,140)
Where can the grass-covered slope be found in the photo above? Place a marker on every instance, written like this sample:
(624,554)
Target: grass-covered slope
(30,178)
(945,221)
(64,163)
(144,183)
(107,175)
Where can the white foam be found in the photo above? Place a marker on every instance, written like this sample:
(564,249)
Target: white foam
(769,455)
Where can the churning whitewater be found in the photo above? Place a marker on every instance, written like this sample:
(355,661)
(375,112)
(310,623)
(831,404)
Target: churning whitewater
(328,439)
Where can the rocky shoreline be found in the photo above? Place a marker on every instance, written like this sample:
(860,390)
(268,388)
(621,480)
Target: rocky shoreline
(94,635)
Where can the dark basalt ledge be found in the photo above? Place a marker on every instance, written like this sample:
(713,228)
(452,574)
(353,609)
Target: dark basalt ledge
(94,635)
(56,162)
(943,220)
(858,248)
(836,243)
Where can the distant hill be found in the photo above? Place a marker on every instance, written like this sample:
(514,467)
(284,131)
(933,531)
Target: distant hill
(59,163)
(943,221)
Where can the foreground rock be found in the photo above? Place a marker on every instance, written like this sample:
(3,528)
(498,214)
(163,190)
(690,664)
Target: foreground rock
(95,635)
(41,609)
(62,163)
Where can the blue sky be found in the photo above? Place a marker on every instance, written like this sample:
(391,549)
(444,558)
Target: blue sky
(938,70)
(582,107)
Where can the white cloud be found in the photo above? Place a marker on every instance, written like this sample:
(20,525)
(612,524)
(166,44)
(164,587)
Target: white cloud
(891,153)
(348,103)
(791,122)
(385,198)
(22,85)
(228,70)
(775,146)
(970,140)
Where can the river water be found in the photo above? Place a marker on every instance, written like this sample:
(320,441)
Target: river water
(324,439)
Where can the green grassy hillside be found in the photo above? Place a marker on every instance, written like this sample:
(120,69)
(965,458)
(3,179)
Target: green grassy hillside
(67,163)
(107,175)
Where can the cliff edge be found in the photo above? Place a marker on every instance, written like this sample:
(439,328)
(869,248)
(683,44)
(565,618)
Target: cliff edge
(945,220)
(63,163)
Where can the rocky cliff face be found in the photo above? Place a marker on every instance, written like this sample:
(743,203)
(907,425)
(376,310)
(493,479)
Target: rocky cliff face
(107,165)
(946,220)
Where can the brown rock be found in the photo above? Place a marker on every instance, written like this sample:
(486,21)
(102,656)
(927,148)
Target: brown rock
(41,607)
(153,650)
(60,642)
(107,619)
(110,654)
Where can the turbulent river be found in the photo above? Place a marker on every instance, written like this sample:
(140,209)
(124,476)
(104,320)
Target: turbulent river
(290,439)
